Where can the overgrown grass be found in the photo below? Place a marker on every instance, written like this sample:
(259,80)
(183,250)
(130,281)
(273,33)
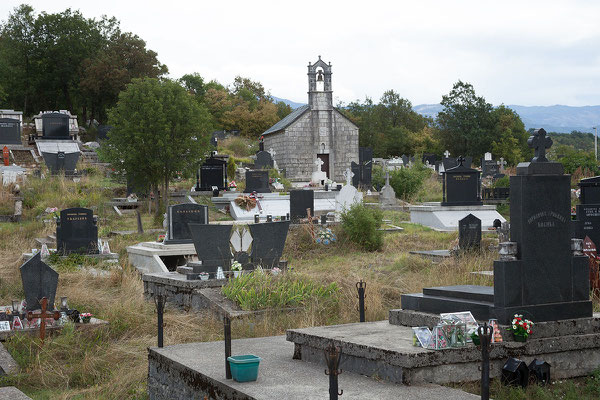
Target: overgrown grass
(258,290)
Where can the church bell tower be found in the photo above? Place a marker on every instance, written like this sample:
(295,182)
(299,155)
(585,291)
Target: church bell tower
(320,95)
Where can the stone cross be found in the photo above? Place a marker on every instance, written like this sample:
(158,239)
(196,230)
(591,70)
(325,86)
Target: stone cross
(502,163)
(387,176)
(540,142)
(272,152)
(348,174)
(446,154)
(318,163)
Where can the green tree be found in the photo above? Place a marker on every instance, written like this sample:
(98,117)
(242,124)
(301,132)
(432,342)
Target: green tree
(466,123)
(158,130)
(510,136)
(194,84)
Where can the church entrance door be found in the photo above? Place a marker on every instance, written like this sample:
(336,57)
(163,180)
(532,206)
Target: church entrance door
(325,165)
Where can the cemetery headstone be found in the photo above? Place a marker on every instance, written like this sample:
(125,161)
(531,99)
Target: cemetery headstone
(461,186)
(429,157)
(300,200)
(588,211)
(489,167)
(469,233)
(10,131)
(347,196)
(318,176)
(268,242)
(180,216)
(55,126)
(264,160)
(388,195)
(77,232)
(363,171)
(257,181)
(212,246)
(39,280)
(61,162)
(589,249)
(213,173)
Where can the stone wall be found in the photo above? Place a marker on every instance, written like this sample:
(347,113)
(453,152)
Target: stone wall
(315,132)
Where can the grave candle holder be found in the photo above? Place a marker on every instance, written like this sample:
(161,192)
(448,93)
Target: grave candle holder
(577,247)
(439,339)
(63,303)
(15,306)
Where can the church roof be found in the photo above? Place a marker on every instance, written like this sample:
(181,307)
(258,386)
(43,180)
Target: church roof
(288,120)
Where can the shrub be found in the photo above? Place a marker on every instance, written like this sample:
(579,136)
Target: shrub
(237,146)
(231,167)
(361,224)
(503,182)
(405,181)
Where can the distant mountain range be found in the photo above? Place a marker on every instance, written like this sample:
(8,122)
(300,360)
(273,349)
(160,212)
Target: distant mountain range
(562,119)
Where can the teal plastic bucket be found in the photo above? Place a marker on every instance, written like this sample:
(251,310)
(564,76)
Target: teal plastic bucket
(244,368)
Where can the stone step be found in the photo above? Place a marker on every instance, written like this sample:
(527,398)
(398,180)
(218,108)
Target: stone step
(465,292)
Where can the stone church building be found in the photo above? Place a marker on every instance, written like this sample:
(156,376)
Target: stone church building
(315,130)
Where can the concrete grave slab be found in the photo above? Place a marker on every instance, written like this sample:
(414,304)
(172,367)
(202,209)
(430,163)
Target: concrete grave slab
(445,218)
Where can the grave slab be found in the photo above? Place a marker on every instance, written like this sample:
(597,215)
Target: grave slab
(148,257)
(195,370)
(445,218)
(12,393)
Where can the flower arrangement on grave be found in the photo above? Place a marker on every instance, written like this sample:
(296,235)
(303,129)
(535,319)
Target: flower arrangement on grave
(520,328)
(236,266)
(246,201)
(203,276)
(161,238)
(232,185)
(85,317)
(325,236)
(275,271)
(475,338)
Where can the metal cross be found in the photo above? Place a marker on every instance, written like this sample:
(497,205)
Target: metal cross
(348,174)
(540,142)
(460,160)
(446,154)
(42,315)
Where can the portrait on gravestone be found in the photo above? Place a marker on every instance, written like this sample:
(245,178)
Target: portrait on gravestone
(268,241)
(213,173)
(77,232)
(257,181)
(212,246)
(39,280)
(461,186)
(10,131)
(264,160)
(55,126)
(469,233)
(300,200)
(180,216)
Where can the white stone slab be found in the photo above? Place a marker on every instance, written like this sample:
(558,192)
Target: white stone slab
(445,218)
(348,196)
(276,208)
(145,256)
(54,146)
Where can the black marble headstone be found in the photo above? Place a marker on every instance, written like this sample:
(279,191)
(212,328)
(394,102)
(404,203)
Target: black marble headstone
(461,186)
(432,158)
(363,171)
(10,131)
(39,280)
(264,160)
(469,233)
(268,241)
(213,173)
(489,168)
(61,162)
(590,190)
(588,222)
(257,181)
(55,126)
(77,232)
(212,246)
(300,200)
(180,216)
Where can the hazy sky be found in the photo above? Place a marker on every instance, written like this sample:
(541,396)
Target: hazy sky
(513,52)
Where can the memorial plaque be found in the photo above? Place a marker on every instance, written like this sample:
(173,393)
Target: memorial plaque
(61,162)
(489,168)
(461,186)
(77,232)
(10,131)
(180,216)
(39,280)
(257,181)
(588,221)
(213,173)
(55,126)
(300,200)
(469,233)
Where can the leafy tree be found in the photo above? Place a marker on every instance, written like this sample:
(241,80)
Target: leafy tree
(573,159)
(510,136)
(466,122)
(283,110)
(158,130)
(194,84)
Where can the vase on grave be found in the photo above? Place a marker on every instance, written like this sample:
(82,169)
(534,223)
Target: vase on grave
(519,338)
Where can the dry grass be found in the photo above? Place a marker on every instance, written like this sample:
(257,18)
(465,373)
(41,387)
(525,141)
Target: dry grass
(111,363)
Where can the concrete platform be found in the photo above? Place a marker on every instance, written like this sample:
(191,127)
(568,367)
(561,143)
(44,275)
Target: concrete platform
(150,257)
(195,370)
(445,218)
(436,255)
(384,349)
(12,393)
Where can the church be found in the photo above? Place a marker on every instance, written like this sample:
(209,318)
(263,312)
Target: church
(314,131)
